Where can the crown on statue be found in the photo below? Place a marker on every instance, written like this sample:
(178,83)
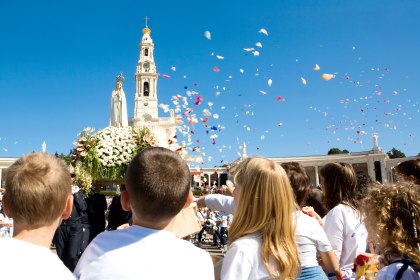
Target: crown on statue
(120,78)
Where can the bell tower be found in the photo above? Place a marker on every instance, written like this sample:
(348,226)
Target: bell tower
(146,101)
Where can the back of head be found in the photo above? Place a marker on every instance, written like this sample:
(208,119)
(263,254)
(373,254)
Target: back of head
(393,220)
(266,205)
(316,200)
(158,183)
(364,182)
(339,184)
(37,188)
(299,181)
(409,170)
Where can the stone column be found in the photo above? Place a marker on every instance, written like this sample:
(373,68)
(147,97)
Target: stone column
(1,182)
(371,169)
(316,176)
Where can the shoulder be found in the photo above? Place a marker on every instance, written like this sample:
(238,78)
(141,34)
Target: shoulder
(389,272)
(341,210)
(306,222)
(249,243)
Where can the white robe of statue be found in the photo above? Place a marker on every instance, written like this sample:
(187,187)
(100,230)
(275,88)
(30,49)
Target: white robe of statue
(119,116)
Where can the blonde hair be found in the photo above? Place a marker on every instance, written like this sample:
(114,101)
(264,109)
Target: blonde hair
(393,220)
(37,187)
(266,205)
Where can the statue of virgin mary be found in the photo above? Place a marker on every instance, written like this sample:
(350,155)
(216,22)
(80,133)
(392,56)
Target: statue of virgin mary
(118,105)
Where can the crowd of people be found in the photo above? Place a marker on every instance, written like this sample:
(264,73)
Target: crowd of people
(275,225)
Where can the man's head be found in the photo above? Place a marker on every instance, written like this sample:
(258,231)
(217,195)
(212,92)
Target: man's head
(158,184)
(38,188)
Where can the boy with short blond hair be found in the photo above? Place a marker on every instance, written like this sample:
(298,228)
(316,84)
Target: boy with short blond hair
(158,188)
(37,197)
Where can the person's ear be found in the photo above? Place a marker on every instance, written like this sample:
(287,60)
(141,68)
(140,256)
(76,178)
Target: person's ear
(189,199)
(67,209)
(6,209)
(125,201)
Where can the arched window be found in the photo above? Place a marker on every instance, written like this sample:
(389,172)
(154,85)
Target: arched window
(146,89)
(146,52)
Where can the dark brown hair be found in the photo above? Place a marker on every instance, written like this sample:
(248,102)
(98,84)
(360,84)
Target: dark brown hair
(299,181)
(339,185)
(409,168)
(158,183)
(316,200)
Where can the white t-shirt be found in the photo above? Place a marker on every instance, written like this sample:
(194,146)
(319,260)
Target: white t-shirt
(23,260)
(390,271)
(143,253)
(243,260)
(310,237)
(347,234)
(219,202)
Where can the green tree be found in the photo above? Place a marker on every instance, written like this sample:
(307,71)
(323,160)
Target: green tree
(335,151)
(395,153)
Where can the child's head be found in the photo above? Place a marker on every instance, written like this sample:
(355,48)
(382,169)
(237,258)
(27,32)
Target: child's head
(266,205)
(158,184)
(339,184)
(37,188)
(299,181)
(408,171)
(316,200)
(393,220)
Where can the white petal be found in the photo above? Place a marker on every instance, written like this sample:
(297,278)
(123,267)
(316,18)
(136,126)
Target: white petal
(262,30)
(207,34)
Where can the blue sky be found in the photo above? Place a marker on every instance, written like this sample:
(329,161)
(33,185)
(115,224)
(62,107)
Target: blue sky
(59,61)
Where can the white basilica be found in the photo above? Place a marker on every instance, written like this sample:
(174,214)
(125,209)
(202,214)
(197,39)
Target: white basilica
(146,98)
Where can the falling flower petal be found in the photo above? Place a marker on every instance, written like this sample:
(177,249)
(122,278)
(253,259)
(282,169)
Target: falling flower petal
(198,100)
(258,44)
(269,82)
(327,77)
(263,92)
(316,68)
(216,116)
(241,70)
(256,53)
(220,57)
(207,34)
(206,113)
(216,69)
(166,76)
(303,81)
(262,30)
(249,49)
(173,68)
(279,98)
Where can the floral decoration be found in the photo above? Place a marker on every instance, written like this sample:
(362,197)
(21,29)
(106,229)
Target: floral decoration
(107,153)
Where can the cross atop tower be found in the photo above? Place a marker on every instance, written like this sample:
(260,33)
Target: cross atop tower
(146,18)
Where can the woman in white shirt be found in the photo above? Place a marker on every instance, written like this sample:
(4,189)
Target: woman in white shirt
(262,232)
(343,223)
(310,236)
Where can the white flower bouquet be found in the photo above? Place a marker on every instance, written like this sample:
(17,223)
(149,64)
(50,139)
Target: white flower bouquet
(107,153)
